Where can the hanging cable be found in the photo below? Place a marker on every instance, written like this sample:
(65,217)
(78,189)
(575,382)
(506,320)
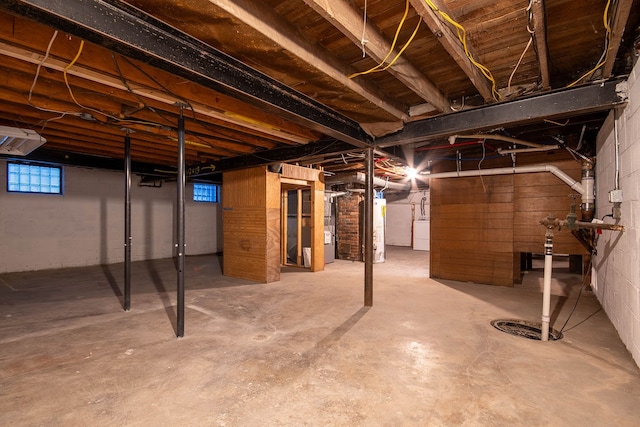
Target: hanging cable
(42,61)
(605,53)
(484,155)
(391,49)
(66,69)
(582,288)
(363,39)
(61,114)
(462,36)
(531,36)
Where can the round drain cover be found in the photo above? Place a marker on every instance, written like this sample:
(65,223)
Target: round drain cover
(522,328)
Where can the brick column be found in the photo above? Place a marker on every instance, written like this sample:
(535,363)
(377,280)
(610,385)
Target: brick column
(348,228)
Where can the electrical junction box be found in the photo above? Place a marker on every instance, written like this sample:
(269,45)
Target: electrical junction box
(615,196)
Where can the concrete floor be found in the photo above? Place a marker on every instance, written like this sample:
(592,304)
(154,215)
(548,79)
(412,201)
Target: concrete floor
(302,351)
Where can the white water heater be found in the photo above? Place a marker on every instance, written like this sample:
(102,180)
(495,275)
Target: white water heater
(379,226)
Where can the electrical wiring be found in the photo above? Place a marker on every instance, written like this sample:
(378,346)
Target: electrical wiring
(157,82)
(461,106)
(318,151)
(582,288)
(391,49)
(524,52)
(462,36)
(42,61)
(406,45)
(202,142)
(605,53)
(61,114)
(363,40)
(178,97)
(108,116)
(484,155)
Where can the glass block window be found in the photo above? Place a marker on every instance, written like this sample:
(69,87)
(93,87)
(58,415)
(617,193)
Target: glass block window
(28,178)
(205,192)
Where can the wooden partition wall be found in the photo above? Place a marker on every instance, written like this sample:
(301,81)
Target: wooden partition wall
(479,226)
(251,220)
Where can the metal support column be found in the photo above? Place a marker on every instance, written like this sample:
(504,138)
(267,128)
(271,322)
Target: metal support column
(180,225)
(368,229)
(127,222)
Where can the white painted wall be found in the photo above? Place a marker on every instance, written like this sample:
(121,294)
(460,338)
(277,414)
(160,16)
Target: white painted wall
(400,214)
(85,225)
(616,281)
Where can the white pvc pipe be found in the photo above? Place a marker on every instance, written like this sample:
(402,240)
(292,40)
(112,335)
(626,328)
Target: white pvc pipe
(546,290)
(575,185)
(452,139)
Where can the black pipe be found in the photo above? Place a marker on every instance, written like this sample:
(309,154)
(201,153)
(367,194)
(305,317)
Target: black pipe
(180,224)
(127,223)
(368,229)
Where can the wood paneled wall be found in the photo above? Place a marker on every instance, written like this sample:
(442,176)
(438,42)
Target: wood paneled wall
(251,220)
(251,224)
(472,229)
(480,225)
(537,196)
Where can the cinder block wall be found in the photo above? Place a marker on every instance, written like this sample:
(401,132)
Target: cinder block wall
(85,225)
(616,281)
(348,227)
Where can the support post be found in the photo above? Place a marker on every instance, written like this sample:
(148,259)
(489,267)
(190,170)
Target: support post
(127,222)
(180,225)
(546,292)
(368,229)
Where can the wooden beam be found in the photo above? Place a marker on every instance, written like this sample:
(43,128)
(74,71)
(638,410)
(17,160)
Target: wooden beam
(453,46)
(16,95)
(145,92)
(618,22)
(317,225)
(538,13)
(284,223)
(349,21)
(300,260)
(264,20)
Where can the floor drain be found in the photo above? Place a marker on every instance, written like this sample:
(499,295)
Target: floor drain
(522,328)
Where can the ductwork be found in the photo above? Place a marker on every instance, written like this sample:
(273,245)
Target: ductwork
(360,177)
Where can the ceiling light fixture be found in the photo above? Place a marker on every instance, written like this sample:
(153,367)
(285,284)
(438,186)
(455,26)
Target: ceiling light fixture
(18,141)
(411,172)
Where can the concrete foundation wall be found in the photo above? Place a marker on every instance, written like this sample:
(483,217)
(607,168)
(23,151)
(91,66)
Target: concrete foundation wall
(85,225)
(617,265)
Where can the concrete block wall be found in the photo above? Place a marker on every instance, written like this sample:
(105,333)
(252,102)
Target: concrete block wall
(348,227)
(85,225)
(616,278)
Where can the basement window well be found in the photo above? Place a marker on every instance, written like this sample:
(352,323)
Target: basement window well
(33,178)
(206,193)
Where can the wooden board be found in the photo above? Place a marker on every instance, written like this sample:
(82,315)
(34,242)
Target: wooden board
(472,229)
(251,224)
(538,195)
(479,226)
(302,173)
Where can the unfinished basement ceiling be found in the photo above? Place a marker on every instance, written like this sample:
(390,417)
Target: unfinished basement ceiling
(83,73)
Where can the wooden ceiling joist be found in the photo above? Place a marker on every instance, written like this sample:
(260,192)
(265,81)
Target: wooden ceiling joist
(538,13)
(145,92)
(617,24)
(271,25)
(349,21)
(453,46)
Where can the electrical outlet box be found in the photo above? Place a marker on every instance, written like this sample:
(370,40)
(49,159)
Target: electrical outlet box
(615,196)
